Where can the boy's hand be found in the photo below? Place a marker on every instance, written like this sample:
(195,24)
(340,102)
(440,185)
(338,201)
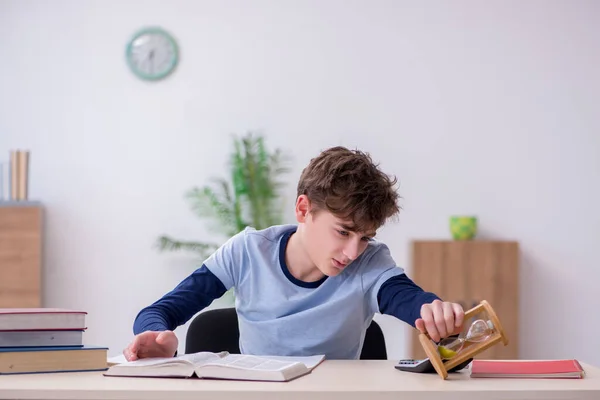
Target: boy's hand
(151,344)
(440,319)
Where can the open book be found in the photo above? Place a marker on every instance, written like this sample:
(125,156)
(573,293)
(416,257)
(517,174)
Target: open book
(220,366)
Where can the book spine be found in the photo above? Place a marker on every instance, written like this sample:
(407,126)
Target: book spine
(23,174)
(14,175)
(6,181)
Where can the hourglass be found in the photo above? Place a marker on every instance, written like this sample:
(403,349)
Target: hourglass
(482,330)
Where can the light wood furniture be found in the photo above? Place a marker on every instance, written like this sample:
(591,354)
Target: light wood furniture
(20,254)
(468,272)
(332,380)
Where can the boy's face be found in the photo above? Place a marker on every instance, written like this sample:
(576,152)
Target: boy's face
(329,242)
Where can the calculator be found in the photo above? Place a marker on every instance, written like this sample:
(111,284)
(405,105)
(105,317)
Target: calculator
(425,365)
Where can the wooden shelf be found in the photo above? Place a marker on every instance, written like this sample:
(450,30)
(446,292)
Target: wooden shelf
(20,254)
(20,203)
(467,272)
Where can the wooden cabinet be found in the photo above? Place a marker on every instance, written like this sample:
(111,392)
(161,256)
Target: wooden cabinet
(20,255)
(467,272)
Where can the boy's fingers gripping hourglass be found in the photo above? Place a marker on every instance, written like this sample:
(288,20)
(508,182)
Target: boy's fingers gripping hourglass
(440,319)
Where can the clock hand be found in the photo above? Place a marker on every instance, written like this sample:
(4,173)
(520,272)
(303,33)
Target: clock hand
(151,60)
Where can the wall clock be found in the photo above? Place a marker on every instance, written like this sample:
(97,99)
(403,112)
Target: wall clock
(152,54)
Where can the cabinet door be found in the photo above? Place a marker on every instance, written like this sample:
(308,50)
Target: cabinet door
(467,272)
(494,276)
(20,256)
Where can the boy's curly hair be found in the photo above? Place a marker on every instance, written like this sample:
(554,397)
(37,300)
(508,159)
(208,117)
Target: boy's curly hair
(351,186)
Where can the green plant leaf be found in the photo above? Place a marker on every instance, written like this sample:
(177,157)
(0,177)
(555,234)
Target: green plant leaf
(215,203)
(166,243)
(251,198)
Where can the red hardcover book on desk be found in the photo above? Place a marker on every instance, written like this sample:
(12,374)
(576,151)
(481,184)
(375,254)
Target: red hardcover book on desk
(526,369)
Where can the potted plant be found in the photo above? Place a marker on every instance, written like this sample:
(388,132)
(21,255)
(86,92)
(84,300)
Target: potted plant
(250,197)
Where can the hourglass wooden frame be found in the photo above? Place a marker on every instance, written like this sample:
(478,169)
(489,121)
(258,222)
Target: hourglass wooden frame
(443,366)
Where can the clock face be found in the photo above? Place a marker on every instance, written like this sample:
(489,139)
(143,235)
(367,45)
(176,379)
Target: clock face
(152,54)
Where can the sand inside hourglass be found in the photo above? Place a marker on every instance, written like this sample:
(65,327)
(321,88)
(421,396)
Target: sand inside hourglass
(479,330)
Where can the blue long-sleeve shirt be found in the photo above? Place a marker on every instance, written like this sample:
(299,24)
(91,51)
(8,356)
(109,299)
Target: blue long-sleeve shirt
(277,312)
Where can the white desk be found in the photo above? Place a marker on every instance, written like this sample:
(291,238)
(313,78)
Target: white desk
(332,380)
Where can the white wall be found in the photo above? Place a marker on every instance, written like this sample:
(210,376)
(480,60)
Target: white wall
(487,108)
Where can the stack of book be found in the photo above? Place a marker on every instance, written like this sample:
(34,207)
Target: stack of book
(35,340)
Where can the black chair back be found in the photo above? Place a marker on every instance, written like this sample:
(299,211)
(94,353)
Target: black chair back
(217,330)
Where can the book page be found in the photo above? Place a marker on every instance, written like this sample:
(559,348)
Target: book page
(309,361)
(248,362)
(120,359)
(202,357)
(146,362)
(195,358)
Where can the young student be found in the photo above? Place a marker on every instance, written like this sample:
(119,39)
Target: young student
(311,287)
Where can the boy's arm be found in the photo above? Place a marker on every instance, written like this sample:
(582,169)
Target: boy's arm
(175,308)
(401,297)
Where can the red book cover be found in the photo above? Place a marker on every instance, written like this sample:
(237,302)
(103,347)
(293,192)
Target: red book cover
(526,369)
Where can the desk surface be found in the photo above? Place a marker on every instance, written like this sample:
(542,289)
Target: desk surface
(332,380)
